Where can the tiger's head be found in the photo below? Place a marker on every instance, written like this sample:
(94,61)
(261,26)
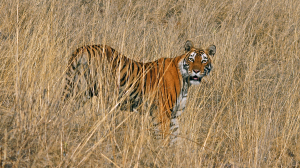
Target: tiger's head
(196,63)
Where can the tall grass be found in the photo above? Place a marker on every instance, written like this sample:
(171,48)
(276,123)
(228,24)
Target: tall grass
(245,114)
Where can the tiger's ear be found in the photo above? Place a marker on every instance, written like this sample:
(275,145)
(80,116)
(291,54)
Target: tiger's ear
(188,45)
(211,50)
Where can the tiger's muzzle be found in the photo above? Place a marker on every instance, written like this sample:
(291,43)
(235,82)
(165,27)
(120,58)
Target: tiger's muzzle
(196,76)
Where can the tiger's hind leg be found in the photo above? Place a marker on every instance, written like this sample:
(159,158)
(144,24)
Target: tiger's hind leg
(80,82)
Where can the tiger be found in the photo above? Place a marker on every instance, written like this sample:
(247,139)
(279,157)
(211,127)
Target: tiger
(167,80)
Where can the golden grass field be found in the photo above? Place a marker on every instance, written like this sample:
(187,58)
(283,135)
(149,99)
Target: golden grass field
(246,113)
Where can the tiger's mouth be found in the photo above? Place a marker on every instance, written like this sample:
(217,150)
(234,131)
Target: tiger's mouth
(195,78)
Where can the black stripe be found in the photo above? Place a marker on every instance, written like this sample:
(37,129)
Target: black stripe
(138,66)
(116,61)
(122,79)
(136,87)
(133,92)
(135,96)
(94,50)
(131,67)
(89,54)
(157,73)
(124,63)
(129,85)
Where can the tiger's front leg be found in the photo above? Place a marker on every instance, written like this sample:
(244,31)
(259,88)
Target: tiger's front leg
(174,125)
(165,121)
(174,128)
(161,120)
(178,109)
(168,125)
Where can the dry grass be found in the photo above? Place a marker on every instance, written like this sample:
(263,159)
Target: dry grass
(246,113)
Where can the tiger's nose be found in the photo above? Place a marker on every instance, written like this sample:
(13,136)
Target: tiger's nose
(196,70)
